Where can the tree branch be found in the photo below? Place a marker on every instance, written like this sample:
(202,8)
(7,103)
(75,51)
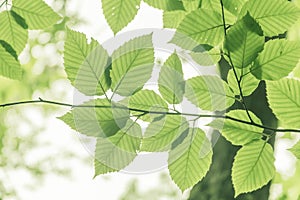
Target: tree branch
(251,123)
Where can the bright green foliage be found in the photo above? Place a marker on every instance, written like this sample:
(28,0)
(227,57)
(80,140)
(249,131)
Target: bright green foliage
(296,150)
(190,161)
(172,19)
(248,83)
(95,121)
(209,93)
(207,58)
(238,133)
(274,16)
(234,6)
(148,100)
(253,167)
(100,168)
(284,99)
(12,32)
(9,66)
(85,64)
(171,82)
(116,152)
(132,65)
(37,13)
(161,134)
(119,13)
(244,41)
(167,5)
(190,5)
(214,5)
(277,60)
(201,26)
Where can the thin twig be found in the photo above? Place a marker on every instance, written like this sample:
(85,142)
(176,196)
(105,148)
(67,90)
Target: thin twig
(233,67)
(42,101)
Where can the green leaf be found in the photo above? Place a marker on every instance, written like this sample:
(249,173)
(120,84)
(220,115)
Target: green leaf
(97,118)
(118,151)
(201,26)
(253,167)
(277,60)
(161,134)
(37,14)
(148,100)
(190,5)
(207,58)
(12,33)
(9,49)
(238,133)
(119,13)
(166,5)
(248,83)
(132,65)
(171,82)
(209,93)
(274,16)
(234,6)
(101,168)
(172,19)
(296,150)
(215,5)
(190,161)
(244,41)
(284,99)
(9,66)
(85,64)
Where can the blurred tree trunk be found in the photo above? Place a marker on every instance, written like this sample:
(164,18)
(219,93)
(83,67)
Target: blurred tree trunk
(217,184)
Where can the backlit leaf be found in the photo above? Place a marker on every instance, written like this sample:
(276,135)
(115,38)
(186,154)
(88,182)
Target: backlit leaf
(209,93)
(190,161)
(119,13)
(132,65)
(171,81)
(253,167)
(236,132)
(277,60)
(37,14)
(86,64)
(284,99)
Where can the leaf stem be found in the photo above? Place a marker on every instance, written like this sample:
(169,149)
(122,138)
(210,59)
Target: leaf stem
(251,123)
(233,67)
